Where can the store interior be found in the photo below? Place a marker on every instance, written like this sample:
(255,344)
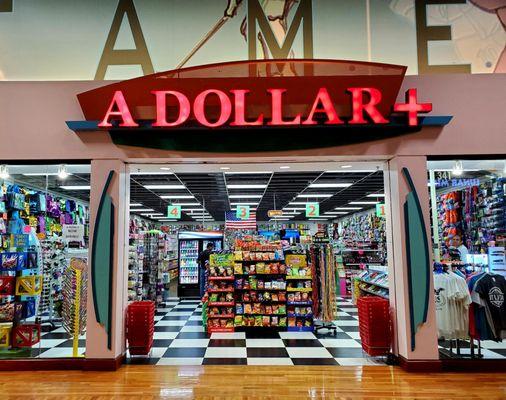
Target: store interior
(468,215)
(295,246)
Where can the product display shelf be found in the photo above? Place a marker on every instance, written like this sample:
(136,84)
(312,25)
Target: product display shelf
(374,292)
(299,294)
(373,282)
(220,307)
(258,313)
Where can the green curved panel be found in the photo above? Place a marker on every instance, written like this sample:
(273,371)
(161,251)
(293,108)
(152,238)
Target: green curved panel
(102,260)
(418,259)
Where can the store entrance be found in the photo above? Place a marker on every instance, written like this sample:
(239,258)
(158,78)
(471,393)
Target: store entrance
(259,263)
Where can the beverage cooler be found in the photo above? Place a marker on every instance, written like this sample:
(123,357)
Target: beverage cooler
(191,244)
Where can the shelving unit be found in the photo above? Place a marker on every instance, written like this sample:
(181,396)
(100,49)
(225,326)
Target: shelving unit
(299,292)
(220,294)
(373,282)
(260,289)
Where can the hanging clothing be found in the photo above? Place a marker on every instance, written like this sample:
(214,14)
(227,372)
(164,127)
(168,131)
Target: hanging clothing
(491,289)
(452,305)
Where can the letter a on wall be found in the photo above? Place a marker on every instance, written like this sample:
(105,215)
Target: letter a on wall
(138,56)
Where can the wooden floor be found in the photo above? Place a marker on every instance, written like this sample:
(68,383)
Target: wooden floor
(251,382)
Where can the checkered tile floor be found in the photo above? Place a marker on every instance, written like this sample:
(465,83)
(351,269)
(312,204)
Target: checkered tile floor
(180,339)
(56,343)
(489,349)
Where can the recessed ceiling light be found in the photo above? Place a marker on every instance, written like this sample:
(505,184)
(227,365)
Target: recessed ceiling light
(77,187)
(363,202)
(135,205)
(165,168)
(315,195)
(177,196)
(173,187)
(348,208)
(245,196)
(225,168)
(240,186)
(376,195)
(330,185)
(141,209)
(284,167)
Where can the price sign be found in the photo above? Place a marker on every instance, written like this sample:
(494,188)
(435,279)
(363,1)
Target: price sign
(242,212)
(380,210)
(274,213)
(312,210)
(174,211)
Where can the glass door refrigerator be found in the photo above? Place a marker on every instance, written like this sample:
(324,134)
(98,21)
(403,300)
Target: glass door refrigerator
(191,244)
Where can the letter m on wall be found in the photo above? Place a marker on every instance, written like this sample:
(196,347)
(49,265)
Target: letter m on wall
(303,15)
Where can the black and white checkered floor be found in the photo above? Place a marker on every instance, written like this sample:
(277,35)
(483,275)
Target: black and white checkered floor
(180,339)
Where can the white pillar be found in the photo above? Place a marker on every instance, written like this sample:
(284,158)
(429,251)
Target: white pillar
(119,190)
(396,189)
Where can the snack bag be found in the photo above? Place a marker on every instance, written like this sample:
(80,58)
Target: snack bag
(266,320)
(282,296)
(238,321)
(239,308)
(297,296)
(246,255)
(274,297)
(282,309)
(253,283)
(291,297)
(229,323)
(223,323)
(251,270)
(282,321)
(282,269)
(267,296)
(268,309)
(268,285)
(260,268)
(260,284)
(274,321)
(305,296)
(291,321)
(274,269)
(253,296)
(258,320)
(246,297)
(229,297)
(257,308)
(238,269)
(248,309)
(229,271)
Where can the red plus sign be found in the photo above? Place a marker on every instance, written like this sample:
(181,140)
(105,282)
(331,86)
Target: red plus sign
(412,107)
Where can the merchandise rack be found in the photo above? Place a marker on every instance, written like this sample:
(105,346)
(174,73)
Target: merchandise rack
(299,275)
(279,276)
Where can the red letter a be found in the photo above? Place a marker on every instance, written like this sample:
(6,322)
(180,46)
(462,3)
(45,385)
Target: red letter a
(118,101)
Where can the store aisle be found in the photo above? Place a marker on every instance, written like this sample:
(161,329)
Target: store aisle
(180,339)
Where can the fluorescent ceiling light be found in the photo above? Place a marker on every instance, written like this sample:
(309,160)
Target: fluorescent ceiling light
(245,196)
(151,173)
(376,195)
(284,167)
(293,208)
(346,166)
(135,205)
(141,209)
(186,204)
(177,196)
(251,209)
(291,212)
(247,172)
(351,171)
(225,168)
(319,219)
(363,202)
(165,168)
(151,214)
(245,186)
(172,187)
(299,203)
(330,185)
(77,187)
(348,208)
(336,212)
(166,220)
(315,195)
(244,204)
(41,174)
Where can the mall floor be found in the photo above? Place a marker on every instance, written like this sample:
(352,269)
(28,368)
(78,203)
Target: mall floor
(251,382)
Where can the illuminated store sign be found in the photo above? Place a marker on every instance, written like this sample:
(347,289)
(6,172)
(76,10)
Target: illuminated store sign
(231,108)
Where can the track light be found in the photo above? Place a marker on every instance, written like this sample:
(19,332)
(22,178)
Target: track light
(4,172)
(458,168)
(62,171)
